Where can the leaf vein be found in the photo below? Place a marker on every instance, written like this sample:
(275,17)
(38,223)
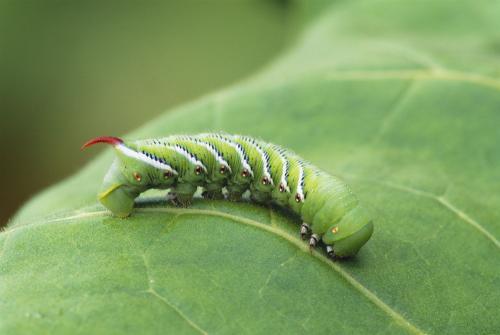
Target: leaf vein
(443,202)
(418,74)
(372,297)
(273,272)
(155,294)
(395,110)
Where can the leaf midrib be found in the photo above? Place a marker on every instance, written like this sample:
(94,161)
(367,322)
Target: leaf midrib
(273,229)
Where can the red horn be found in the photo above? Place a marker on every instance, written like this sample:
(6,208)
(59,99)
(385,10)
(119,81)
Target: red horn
(103,139)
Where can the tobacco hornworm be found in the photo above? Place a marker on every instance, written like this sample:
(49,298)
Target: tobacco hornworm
(228,166)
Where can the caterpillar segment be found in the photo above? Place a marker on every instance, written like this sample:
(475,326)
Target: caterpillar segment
(235,154)
(280,170)
(218,168)
(191,171)
(262,183)
(227,166)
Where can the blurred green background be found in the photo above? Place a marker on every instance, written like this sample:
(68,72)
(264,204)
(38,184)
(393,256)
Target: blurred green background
(73,70)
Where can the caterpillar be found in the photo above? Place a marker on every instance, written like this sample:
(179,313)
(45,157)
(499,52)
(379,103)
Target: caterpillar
(229,166)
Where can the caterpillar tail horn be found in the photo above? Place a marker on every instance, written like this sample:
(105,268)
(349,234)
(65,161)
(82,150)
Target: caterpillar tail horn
(102,139)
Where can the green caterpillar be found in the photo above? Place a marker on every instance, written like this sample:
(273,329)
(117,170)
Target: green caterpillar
(228,166)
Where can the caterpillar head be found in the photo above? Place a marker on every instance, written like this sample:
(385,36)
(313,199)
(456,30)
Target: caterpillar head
(350,233)
(131,173)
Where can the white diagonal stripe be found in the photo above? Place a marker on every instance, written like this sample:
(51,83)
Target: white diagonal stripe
(300,182)
(191,158)
(143,158)
(236,147)
(217,155)
(264,158)
(284,167)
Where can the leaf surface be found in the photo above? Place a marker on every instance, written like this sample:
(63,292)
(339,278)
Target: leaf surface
(400,100)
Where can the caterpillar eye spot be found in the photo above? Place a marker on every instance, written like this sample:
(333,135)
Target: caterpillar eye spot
(282,188)
(245,173)
(137,176)
(222,169)
(335,230)
(265,181)
(198,170)
(298,198)
(167,174)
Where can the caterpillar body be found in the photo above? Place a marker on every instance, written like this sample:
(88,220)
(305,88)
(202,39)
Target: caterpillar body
(227,166)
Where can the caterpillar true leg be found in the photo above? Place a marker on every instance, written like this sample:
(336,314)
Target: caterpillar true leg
(305,230)
(313,241)
(330,252)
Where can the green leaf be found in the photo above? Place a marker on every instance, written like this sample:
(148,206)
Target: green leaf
(402,100)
